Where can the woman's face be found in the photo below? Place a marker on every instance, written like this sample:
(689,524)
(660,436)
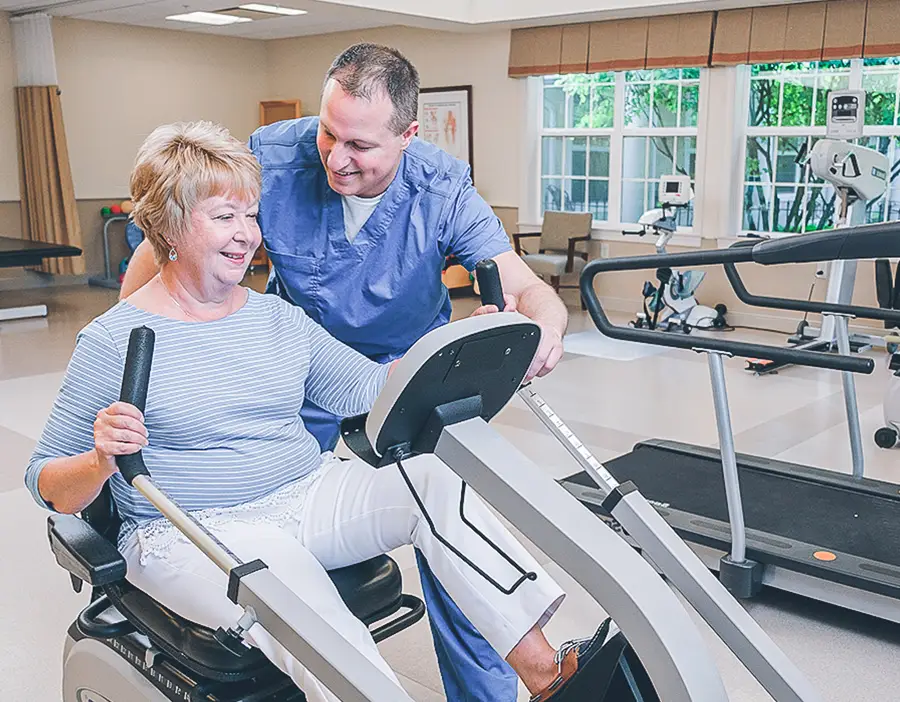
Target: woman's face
(222,239)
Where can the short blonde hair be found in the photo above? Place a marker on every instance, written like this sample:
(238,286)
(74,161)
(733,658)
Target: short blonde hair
(178,166)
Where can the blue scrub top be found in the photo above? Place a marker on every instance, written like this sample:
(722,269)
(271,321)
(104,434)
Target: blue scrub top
(382,292)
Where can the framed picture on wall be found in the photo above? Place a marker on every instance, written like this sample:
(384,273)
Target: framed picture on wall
(445,119)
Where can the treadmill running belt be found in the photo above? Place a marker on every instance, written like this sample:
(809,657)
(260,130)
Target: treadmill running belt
(838,517)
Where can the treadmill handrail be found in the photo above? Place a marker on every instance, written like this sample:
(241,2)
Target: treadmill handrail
(844,244)
(794,305)
(655,337)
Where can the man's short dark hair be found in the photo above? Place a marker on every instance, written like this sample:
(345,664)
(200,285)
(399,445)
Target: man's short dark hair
(365,69)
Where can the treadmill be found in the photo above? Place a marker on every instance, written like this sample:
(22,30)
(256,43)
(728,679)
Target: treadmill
(760,522)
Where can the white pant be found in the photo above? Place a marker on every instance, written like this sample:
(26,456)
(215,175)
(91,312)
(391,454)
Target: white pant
(352,513)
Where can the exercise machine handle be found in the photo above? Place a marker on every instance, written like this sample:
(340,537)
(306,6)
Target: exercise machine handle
(135,381)
(488,276)
(849,243)
(813,359)
(793,305)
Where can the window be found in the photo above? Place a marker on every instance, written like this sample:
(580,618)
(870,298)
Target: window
(786,116)
(659,136)
(606,138)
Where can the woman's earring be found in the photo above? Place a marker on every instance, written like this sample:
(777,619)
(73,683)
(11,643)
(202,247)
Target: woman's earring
(173,254)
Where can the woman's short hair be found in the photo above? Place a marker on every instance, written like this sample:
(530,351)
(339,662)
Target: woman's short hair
(180,165)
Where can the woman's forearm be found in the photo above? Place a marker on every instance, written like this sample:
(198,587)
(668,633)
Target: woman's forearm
(69,484)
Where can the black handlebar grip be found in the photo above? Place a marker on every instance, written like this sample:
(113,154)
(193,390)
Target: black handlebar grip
(488,276)
(135,381)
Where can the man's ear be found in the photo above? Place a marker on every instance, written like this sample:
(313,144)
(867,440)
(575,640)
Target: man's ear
(410,132)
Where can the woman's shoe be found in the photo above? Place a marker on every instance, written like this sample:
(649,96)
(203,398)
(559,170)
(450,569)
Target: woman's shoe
(581,671)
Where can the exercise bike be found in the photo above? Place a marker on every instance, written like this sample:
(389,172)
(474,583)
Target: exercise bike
(675,290)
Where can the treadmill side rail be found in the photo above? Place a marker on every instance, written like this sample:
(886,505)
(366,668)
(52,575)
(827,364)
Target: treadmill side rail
(731,622)
(641,604)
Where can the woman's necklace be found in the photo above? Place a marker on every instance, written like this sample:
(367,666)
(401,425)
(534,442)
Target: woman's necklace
(172,298)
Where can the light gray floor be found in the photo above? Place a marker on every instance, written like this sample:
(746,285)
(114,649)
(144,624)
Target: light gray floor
(610,404)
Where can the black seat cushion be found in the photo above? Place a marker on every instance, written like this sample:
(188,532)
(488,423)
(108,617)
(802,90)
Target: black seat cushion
(371,589)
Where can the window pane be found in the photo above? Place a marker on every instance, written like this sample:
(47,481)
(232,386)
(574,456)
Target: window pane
(662,152)
(686,156)
(789,209)
(690,73)
(757,199)
(888,61)
(608,77)
(602,106)
(665,74)
(580,108)
(574,195)
(598,199)
(637,75)
(637,105)
(684,216)
(840,64)
(797,103)
(764,68)
(551,194)
(634,155)
(893,207)
(599,155)
(820,209)
(632,200)
(875,210)
(665,105)
(828,82)
(787,170)
(554,104)
(760,155)
(551,156)
(576,156)
(764,102)
(690,104)
(881,97)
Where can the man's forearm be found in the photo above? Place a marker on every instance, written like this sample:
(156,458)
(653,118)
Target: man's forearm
(540,303)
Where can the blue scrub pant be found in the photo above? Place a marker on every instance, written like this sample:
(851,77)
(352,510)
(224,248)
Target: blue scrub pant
(472,671)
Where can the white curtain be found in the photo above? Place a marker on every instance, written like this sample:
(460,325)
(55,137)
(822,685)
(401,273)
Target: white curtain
(32,40)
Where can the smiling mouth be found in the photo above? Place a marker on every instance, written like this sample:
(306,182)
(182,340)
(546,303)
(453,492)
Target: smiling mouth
(233,256)
(345,174)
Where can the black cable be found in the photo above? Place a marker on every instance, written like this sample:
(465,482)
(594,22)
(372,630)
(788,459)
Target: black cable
(526,575)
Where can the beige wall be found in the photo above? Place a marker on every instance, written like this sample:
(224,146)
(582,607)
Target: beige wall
(9,164)
(119,82)
(296,68)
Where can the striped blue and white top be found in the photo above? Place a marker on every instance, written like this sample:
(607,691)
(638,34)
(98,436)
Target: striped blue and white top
(223,407)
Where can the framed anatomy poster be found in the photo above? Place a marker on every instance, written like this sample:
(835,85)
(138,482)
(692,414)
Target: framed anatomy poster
(445,119)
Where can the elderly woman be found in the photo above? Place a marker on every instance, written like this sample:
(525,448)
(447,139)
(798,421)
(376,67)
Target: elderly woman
(222,434)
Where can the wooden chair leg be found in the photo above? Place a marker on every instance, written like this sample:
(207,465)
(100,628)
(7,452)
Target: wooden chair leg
(554,283)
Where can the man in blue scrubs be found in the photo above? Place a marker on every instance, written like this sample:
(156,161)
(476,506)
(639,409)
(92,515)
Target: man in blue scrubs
(358,217)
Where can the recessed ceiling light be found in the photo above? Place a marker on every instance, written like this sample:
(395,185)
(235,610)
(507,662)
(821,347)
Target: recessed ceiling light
(272,9)
(208,18)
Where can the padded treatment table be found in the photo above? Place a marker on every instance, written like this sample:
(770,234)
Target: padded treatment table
(19,252)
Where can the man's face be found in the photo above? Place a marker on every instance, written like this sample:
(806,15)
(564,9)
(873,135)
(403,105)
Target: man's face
(359,150)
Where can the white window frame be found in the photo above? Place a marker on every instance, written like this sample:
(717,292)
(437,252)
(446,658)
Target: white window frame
(856,83)
(533,133)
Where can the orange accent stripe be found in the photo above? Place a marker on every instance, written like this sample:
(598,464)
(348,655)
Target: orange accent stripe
(841,52)
(573,67)
(616,65)
(880,50)
(516,71)
(766,56)
(677,62)
(722,57)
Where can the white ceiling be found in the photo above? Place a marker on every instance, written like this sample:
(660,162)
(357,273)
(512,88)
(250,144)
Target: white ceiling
(325,16)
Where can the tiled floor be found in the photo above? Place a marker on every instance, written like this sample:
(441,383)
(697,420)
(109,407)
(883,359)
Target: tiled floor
(797,416)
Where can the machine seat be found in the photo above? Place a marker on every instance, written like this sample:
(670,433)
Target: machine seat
(371,589)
